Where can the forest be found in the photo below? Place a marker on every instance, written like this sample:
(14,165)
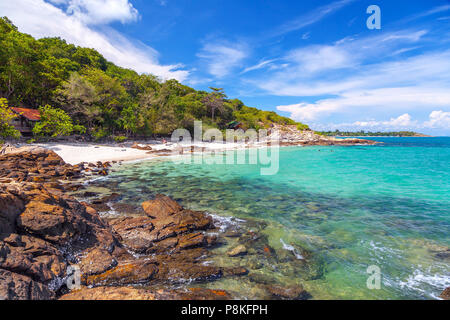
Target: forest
(101,99)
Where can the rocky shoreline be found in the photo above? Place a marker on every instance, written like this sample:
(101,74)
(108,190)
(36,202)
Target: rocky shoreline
(44,233)
(158,251)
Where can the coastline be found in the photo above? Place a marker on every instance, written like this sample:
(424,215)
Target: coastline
(130,267)
(76,153)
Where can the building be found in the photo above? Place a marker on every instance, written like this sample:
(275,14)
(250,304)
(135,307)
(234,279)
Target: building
(26,120)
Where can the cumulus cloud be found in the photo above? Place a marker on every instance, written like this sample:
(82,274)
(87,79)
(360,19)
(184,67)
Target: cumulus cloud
(402,98)
(438,119)
(222,58)
(102,11)
(44,19)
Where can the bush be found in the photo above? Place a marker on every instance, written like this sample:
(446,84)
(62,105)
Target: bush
(120,138)
(99,133)
(302,127)
(6,115)
(55,123)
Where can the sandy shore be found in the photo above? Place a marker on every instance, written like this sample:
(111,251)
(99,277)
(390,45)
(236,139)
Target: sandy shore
(77,153)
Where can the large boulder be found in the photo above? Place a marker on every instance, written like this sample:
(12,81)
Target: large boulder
(161,207)
(14,286)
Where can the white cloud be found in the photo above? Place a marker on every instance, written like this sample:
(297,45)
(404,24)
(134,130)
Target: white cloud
(42,19)
(222,59)
(438,119)
(258,66)
(375,100)
(309,18)
(102,11)
(316,58)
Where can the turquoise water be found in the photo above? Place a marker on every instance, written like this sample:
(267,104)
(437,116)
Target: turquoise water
(350,207)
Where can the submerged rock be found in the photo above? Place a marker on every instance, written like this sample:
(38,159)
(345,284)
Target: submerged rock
(293,292)
(240,250)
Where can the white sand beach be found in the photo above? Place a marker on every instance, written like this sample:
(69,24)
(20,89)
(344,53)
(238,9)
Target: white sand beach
(91,152)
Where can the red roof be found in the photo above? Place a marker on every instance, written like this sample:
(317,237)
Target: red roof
(30,114)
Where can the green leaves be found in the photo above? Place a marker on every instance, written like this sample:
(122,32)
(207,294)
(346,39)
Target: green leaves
(6,116)
(55,123)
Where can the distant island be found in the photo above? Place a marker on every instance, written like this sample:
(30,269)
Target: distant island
(362,133)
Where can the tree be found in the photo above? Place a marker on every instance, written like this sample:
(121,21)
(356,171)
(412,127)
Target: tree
(54,123)
(6,115)
(214,101)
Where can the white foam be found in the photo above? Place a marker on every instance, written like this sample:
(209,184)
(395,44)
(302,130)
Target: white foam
(288,247)
(420,280)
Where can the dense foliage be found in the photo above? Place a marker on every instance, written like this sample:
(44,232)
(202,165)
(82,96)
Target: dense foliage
(106,99)
(6,115)
(55,123)
(368,134)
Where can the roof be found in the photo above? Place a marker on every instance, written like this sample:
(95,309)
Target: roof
(30,114)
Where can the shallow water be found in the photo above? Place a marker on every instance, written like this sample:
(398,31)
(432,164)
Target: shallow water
(349,207)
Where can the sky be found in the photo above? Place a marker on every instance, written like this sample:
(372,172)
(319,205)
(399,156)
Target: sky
(314,61)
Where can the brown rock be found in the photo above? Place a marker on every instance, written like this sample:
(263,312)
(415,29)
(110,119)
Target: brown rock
(32,257)
(191,240)
(136,232)
(445,294)
(236,271)
(14,286)
(134,272)
(97,261)
(161,207)
(240,250)
(295,292)
(130,293)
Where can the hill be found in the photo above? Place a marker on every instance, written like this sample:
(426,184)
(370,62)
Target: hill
(107,99)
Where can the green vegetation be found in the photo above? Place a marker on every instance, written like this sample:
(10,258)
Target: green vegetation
(55,123)
(107,100)
(6,115)
(369,134)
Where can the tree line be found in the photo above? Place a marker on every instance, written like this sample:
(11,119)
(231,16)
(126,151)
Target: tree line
(368,134)
(105,99)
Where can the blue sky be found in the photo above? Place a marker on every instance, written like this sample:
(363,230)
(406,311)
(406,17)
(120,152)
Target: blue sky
(314,61)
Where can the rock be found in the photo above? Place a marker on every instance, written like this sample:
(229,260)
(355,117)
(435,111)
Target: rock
(240,250)
(32,257)
(97,261)
(130,293)
(294,292)
(192,240)
(14,286)
(136,233)
(161,207)
(134,272)
(236,271)
(109,293)
(445,294)
(50,221)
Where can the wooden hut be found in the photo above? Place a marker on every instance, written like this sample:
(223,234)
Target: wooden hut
(26,119)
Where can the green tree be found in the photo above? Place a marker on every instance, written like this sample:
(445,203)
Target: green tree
(55,123)
(6,116)
(214,101)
